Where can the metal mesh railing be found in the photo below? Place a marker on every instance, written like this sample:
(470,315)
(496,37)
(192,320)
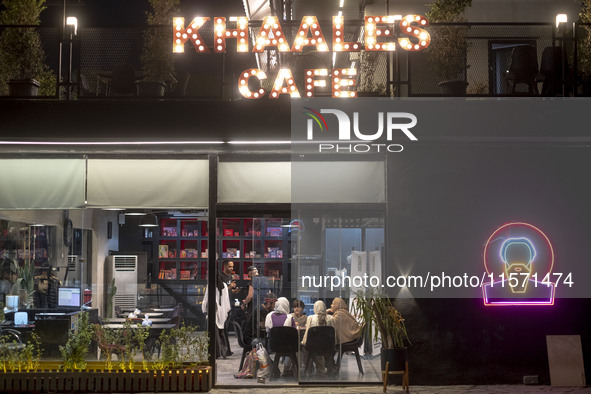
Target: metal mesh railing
(97,51)
(487,60)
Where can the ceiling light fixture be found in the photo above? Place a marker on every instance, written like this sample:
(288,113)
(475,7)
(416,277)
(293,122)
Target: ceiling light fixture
(148,220)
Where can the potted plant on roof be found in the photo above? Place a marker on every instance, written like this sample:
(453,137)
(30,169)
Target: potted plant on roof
(584,48)
(369,85)
(157,57)
(448,50)
(22,60)
(384,322)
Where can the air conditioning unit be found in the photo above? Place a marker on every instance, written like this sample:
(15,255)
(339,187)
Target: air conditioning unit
(124,268)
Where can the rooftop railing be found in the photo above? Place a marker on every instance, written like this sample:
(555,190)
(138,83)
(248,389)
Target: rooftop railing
(492,66)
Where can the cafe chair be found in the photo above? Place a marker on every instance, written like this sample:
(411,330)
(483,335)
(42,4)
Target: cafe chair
(523,69)
(119,312)
(175,316)
(122,80)
(244,346)
(352,346)
(104,345)
(552,66)
(320,342)
(284,341)
(180,87)
(10,339)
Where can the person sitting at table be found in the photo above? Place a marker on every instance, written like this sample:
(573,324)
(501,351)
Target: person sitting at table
(298,314)
(222,311)
(280,317)
(319,318)
(346,327)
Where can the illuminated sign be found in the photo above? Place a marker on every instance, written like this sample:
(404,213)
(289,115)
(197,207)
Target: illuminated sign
(518,259)
(384,33)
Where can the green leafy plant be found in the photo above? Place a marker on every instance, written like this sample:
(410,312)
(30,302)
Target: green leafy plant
(25,284)
(182,346)
(449,46)
(157,56)
(133,337)
(381,317)
(107,336)
(75,350)
(111,292)
(17,357)
(584,45)
(21,54)
(368,78)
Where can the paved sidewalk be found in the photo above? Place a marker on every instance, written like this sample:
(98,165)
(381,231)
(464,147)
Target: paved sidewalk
(371,389)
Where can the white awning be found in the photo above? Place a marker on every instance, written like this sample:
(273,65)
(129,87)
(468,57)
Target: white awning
(148,183)
(42,183)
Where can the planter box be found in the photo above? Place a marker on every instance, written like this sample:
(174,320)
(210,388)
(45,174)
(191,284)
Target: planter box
(193,379)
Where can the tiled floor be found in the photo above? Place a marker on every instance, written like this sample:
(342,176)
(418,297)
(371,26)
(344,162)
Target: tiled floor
(349,372)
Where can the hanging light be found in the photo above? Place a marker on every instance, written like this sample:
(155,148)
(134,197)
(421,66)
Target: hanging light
(148,220)
(134,212)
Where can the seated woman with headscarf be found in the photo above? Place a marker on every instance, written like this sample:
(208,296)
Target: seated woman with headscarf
(280,317)
(319,318)
(346,327)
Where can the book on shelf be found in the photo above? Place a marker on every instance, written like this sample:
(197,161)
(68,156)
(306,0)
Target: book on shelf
(185,274)
(163,251)
(169,231)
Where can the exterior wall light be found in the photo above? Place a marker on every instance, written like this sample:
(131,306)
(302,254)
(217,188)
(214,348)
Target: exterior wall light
(561,18)
(72,23)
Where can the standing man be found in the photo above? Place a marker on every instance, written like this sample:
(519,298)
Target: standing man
(226,277)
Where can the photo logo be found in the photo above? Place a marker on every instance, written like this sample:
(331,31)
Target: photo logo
(390,125)
(318,118)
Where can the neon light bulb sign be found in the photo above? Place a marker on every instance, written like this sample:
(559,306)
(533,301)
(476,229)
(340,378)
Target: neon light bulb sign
(380,36)
(518,259)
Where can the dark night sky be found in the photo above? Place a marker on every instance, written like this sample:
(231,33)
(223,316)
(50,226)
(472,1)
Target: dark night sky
(131,13)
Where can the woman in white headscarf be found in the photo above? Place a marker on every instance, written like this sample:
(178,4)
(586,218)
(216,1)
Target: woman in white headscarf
(280,315)
(319,318)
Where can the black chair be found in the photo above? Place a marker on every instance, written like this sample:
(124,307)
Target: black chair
(523,69)
(284,341)
(552,66)
(11,339)
(245,348)
(122,80)
(320,341)
(180,87)
(352,346)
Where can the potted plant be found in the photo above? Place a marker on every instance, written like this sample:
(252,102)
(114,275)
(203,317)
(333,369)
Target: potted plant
(182,368)
(157,57)
(368,78)
(24,287)
(384,322)
(22,59)
(449,46)
(584,48)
